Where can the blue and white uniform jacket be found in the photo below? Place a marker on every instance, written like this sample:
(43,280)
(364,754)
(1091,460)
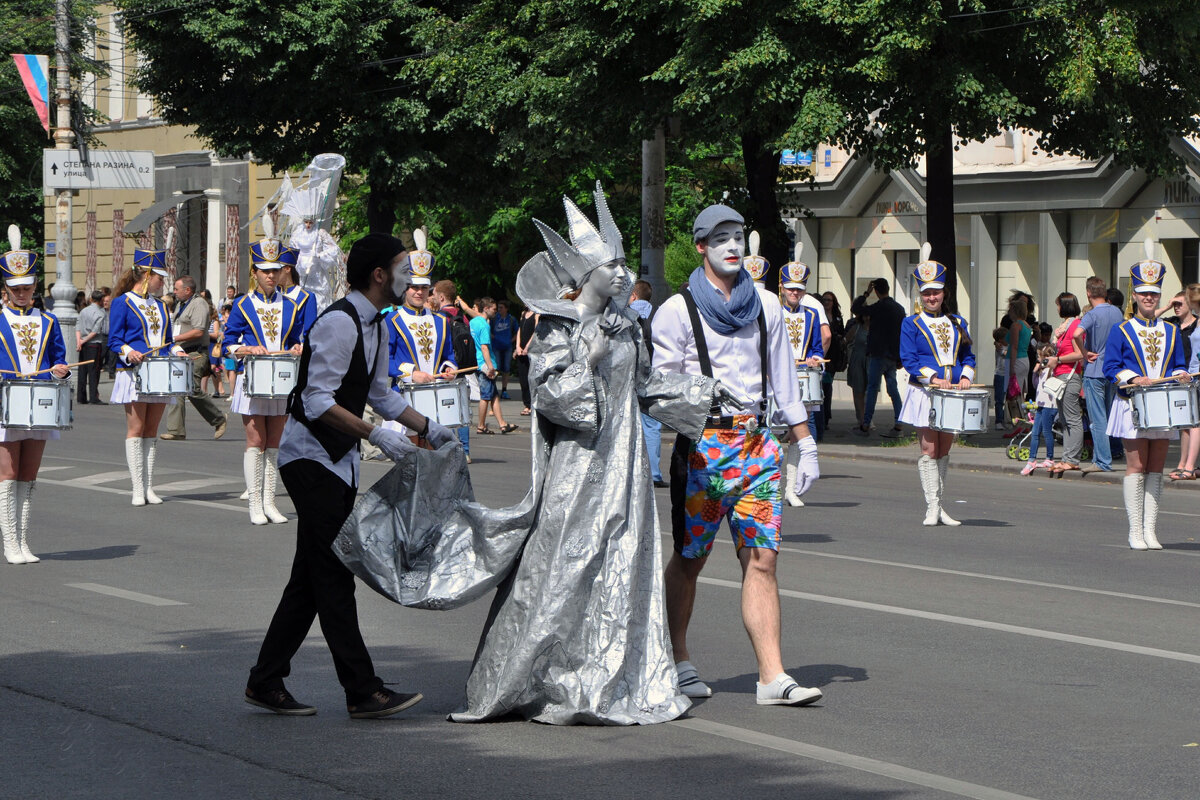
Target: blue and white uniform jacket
(32,341)
(1143,348)
(418,340)
(306,308)
(935,347)
(140,322)
(259,321)
(803,332)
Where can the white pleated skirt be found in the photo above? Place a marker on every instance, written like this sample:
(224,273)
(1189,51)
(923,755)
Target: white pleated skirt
(18,435)
(255,406)
(125,391)
(915,410)
(1120,423)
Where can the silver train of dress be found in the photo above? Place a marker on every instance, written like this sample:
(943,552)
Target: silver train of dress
(577,631)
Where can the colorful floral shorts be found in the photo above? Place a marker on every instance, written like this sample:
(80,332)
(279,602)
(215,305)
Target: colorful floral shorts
(732,474)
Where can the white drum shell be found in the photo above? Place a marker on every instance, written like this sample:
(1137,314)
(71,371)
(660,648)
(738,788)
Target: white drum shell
(34,405)
(163,376)
(1164,407)
(271,377)
(961,411)
(811,390)
(444,402)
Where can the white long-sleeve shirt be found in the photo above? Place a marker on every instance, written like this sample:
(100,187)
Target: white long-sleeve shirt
(735,359)
(332,339)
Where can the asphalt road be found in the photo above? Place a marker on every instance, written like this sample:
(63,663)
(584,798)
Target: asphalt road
(1028,653)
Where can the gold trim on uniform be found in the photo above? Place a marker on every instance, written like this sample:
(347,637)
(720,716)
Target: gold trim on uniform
(150,311)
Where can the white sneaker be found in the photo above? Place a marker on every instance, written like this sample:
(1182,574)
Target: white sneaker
(690,684)
(783,691)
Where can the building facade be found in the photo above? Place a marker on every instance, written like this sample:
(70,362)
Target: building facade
(1023,220)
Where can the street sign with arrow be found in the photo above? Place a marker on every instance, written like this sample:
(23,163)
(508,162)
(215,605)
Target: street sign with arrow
(100,169)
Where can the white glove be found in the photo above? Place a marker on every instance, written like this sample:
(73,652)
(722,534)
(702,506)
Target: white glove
(724,398)
(809,471)
(439,434)
(394,445)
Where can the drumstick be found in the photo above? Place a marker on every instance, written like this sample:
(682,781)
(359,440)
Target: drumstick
(47,369)
(1156,381)
(465,370)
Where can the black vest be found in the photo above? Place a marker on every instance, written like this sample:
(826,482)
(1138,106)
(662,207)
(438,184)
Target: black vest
(351,395)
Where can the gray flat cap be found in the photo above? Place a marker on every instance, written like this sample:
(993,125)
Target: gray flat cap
(710,218)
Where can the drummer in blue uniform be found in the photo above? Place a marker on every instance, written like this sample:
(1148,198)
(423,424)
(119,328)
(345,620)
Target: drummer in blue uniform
(935,348)
(263,322)
(33,348)
(1139,351)
(804,335)
(139,326)
(419,345)
(306,304)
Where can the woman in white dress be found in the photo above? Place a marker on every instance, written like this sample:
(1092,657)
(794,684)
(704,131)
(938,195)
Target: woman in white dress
(139,326)
(262,322)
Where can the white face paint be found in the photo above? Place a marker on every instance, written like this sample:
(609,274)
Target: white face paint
(400,278)
(726,248)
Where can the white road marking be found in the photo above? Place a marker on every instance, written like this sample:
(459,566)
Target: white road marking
(838,758)
(45,468)
(106,490)
(975,623)
(1000,578)
(192,485)
(124,594)
(1160,512)
(97,478)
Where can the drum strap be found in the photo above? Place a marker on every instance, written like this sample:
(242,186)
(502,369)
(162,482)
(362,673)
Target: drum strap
(702,344)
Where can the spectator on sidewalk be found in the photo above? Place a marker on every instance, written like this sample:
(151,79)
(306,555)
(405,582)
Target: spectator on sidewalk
(1098,391)
(1067,364)
(883,348)
(91,335)
(503,327)
(489,398)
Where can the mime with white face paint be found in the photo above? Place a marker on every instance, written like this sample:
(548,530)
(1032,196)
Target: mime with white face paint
(722,326)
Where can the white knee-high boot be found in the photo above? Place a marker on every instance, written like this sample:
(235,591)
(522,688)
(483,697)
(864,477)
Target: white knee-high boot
(8,523)
(24,500)
(252,466)
(927,468)
(137,469)
(792,466)
(1150,510)
(270,471)
(1135,499)
(150,448)
(943,466)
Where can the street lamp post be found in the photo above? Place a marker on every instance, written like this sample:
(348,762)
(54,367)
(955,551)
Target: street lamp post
(64,287)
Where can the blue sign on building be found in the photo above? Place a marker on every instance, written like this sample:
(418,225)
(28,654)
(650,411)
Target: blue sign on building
(805,158)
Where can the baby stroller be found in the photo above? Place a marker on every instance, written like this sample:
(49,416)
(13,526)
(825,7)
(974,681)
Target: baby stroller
(1019,448)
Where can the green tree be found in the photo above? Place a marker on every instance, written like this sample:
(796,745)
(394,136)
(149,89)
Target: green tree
(1116,78)
(27,26)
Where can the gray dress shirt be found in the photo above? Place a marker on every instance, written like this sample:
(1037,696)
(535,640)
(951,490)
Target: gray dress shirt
(332,338)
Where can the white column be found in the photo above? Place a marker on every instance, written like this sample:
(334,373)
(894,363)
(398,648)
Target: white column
(214,271)
(116,66)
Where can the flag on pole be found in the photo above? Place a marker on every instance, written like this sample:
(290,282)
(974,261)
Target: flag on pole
(35,74)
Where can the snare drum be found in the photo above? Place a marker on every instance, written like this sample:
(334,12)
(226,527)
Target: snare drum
(811,390)
(33,405)
(1164,406)
(959,411)
(445,402)
(271,377)
(163,376)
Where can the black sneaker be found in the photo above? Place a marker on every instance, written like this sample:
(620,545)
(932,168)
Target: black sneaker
(280,701)
(383,703)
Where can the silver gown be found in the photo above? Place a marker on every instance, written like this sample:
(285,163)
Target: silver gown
(577,631)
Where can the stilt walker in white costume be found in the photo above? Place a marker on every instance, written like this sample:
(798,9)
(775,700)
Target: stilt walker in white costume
(804,335)
(32,344)
(262,322)
(139,326)
(935,348)
(1142,351)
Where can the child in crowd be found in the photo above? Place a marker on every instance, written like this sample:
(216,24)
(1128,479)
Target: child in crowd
(1000,374)
(1047,410)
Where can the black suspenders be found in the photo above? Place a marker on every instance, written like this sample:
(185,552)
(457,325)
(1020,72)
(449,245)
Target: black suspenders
(702,344)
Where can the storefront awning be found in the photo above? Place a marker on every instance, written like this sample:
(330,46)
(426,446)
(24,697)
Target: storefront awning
(150,215)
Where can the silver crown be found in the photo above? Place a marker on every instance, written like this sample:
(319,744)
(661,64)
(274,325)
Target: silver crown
(589,247)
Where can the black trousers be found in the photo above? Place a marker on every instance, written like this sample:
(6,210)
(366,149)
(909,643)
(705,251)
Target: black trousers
(678,473)
(89,374)
(320,586)
(523,377)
